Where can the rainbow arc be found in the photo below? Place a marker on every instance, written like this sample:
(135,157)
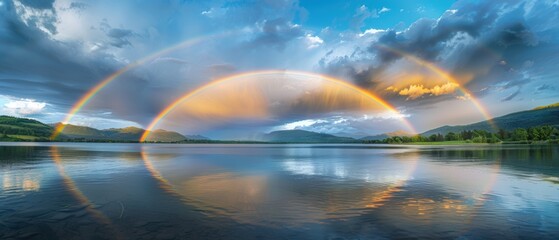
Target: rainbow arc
(174,104)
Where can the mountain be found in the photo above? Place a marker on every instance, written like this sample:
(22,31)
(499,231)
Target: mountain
(120,134)
(75,131)
(161,135)
(196,137)
(23,129)
(302,136)
(14,128)
(126,134)
(539,116)
(386,135)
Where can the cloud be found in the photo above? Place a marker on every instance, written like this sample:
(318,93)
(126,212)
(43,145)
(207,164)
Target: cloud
(23,107)
(347,125)
(313,41)
(38,14)
(384,10)
(372,31)
(471,41)
(361,14)
(511,96)
(38,4)
(416,91)
(55,51)
(276,33)
(78,5)
(119,37)
(544,87)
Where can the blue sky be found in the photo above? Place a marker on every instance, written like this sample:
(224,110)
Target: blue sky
(338,15)
(53,51)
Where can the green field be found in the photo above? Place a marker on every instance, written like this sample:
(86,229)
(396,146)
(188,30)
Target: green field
(24,137)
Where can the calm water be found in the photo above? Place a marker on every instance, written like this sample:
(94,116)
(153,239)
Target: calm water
(133,191)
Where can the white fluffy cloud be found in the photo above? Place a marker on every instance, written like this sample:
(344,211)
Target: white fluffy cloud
(313,41)
(23,107)
(348,125)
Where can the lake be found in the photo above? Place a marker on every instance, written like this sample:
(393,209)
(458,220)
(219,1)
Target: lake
(299,191)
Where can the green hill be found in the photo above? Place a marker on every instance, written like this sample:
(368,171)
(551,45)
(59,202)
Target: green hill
(301,136)
(545,115)
(124,134)
(548,106)
(74,131)
(14,128)
(23,129)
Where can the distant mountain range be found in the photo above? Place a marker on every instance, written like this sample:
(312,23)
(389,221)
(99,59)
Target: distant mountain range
(544,115)
(302,136)
(13,128)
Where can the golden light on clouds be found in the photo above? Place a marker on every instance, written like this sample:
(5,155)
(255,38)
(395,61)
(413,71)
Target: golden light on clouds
(415,91)
(266,98)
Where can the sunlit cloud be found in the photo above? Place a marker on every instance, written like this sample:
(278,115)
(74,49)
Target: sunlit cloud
(416,91)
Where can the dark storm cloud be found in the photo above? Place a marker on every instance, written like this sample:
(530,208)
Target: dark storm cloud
(33,58)
(488,39)
(37,67)
(32,88)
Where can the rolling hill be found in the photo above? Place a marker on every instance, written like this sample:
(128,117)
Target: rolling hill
(302,136)
(14,128)
(24,129)
(539,116)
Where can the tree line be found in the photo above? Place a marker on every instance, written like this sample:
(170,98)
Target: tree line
(524,135)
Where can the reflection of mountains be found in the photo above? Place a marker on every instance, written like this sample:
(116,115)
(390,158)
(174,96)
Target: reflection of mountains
(14,154)
(524,158)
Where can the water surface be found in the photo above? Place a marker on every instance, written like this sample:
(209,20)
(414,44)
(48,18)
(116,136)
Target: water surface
(319,191)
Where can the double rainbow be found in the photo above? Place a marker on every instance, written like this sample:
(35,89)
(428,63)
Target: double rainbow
(97,88)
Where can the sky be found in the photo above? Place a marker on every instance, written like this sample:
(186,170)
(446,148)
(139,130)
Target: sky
(436,62)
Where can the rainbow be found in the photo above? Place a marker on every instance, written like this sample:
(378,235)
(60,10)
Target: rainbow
(76,193)
(443,74)
(200,89)
(93,91)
